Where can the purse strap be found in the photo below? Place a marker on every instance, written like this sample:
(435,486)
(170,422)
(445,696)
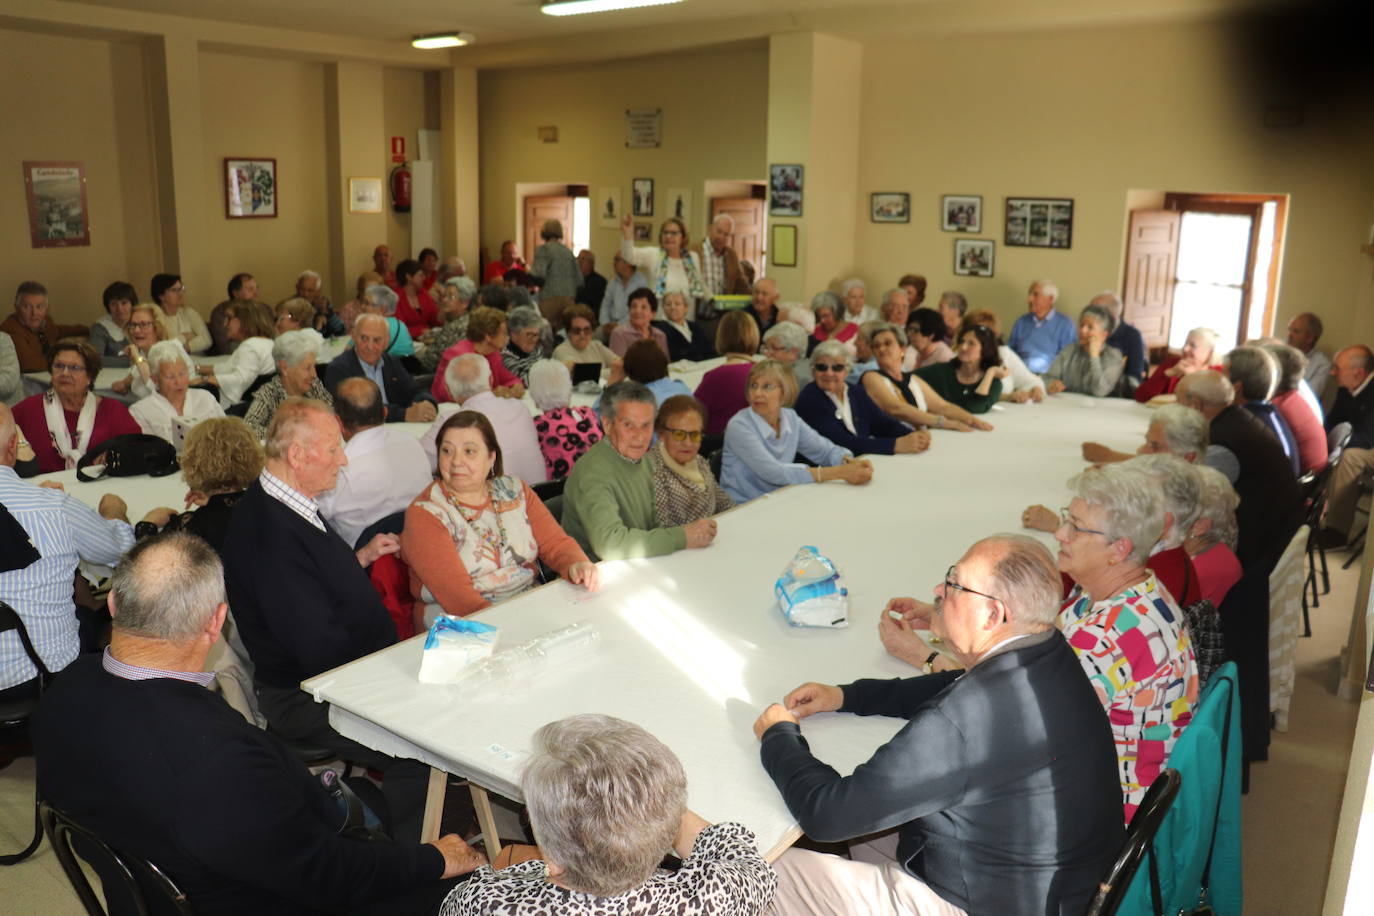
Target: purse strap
(1221,786)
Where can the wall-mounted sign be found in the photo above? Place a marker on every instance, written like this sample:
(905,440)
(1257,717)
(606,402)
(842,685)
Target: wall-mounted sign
(398,149)
(57,204)
(643,128)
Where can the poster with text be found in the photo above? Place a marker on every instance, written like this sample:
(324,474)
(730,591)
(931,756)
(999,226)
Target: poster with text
(58,217)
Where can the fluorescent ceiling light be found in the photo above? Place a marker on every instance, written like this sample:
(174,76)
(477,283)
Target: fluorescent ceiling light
(577,7)
(443,40)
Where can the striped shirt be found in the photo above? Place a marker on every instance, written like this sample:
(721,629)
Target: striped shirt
(129,672)
(297,502)
(65,531)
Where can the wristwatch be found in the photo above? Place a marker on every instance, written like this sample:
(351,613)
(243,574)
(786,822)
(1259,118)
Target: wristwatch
(929,666)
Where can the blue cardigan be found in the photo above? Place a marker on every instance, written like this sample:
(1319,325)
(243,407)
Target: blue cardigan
(875,433)
(756,462)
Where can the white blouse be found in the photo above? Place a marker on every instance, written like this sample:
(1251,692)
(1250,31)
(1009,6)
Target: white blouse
(252,358)
(157,417)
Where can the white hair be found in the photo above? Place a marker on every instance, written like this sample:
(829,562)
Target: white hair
(465,287)
(851,283)
(1128,499)
(295,347)
(550,385)
(831,349)
(825,299)
(1210,388)
(1111,301)
(798,314)
(166,351)
(1178,486)
(371,316)
(309,275)
(523,316)
(1184,429)
(724,219)
(1217,500)
(466,375)
(787,335)
(383,297)
(1047,287)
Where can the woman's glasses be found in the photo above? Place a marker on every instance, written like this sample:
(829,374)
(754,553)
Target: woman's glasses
(828,367)
(684,435)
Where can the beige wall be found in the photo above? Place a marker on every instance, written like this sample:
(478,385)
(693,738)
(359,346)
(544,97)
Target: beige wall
(714,126)
(410,104)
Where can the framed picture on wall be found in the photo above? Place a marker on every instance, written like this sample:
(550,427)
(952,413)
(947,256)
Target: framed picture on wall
(680,205)
(607,203)
(250,188)
(889,207)
(644,232)
(58,217)
(961,213)
(785,190)
(1040,222)
(973,257)
(364,195)
(642,196)
(782,252)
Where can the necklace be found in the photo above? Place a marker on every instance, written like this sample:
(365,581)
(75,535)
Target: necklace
(496,542)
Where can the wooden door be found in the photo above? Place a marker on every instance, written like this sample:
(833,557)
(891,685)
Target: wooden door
(539,209)
(1147,294)
(748,216)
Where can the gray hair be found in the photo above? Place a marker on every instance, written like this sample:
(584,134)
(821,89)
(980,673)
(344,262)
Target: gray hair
(1292,364)
(1185,429)
(605,799)
(465,287)
(872,329)
(1180,490)
(550,385)
(625,392)
(522,317)
(1026,580)
(826,299)
(1208,335)
(1255,369)
(382,297)
(1127,497)
(787,335)
(846,286)
(166,351)
(895,291)
(466,375)
(167,588)
(1110,301)
(372,316)
(724,218)
(1101,315)
(830,349)
(309,275)
(1217,501)
(288,423)
(295,347)
(956,299)
(1210,388)
(798,314)
(1047,287)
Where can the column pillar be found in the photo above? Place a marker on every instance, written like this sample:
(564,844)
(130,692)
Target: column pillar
(356,147)
(174,62)
(459,184)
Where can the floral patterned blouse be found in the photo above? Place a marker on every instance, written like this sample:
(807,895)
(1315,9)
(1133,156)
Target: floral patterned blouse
(565,433)
(1136,651)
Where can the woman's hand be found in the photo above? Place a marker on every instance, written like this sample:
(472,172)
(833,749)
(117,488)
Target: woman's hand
(627,227)
(1040,518)
(912,442)
(205,370)
(617,373)
(999,372)
(982,425)
(1037,394)
(122,385)
(1054,386)
(585,574)
(958,426)
(1017,397)
(856,471)
(811,698)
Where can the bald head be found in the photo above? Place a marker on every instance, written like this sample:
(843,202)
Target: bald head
(358,405)
(1025,578)
(1352,366)
(1109,301)
(765,294)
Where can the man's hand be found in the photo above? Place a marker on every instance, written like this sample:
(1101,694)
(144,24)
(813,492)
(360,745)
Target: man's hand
(700,533)
(627,226)
(160,516)
(772,716)
(53,485)
(1040,518)
(378,547)
(585,574)
(459,857)
(1054,386)
(811,698)
(901,642)
(916,613)
(112,507)
(421,412)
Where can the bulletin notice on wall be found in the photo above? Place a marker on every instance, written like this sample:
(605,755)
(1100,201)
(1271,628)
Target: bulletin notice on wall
(643,128)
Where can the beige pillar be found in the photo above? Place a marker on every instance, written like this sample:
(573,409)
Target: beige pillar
(813,121)
(356,148)
(174,61)
(458,176)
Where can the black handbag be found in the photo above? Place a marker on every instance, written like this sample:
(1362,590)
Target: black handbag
(129,455)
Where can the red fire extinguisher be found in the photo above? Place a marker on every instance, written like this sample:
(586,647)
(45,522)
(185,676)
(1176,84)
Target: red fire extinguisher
(400,188)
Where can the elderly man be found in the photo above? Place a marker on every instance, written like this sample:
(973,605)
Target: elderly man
(1174,430)
(1270,502)
(1354,405)
(386,466)
(763,304)
(1039,335)
(1126,338)
(241,288)
(32,328)
(720,268)
(468,378)
(451,266)
(615,304)
(381,263)
(608,504)
(786,342)
(1303,332)
(896,306)
(495,272)
(134,747)
(953,306)
(1253,372)
(1018,813)
(402,399)
(593,287)
(310,287)
(302,599)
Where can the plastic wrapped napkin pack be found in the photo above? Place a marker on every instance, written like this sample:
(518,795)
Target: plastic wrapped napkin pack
(452,645)
(809,591)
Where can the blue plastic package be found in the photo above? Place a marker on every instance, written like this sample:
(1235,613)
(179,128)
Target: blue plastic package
(809,591)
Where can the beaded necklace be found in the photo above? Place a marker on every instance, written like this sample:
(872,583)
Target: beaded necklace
(494,542)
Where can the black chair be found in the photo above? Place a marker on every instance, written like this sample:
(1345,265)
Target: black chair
(715,459)
(1314,486)
(138,883)
(1139,843)
(15,714)
(549,489)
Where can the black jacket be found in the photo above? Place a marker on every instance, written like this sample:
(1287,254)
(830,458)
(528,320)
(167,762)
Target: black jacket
(401,391)
(1358,412)
(1270,501)
(875,433)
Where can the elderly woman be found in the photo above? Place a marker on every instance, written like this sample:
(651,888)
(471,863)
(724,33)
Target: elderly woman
(1302,418)
(786,343)
(953,306)
(686,339)
(579,322)
(1199,353)
(250,326)
(1211,540)
(109,336)
(565,432)
(525,326)
(843,412)
(722,388)
(174,407)
(295,354)
(906,396)
(487,335)
(220,460)
(830,323)
(294,314)
(1089,366)
(684,487)
(146,327)
(415,307)
(606,800)
(455,296)
(475,536)
(854,293)
(643,305)
(762,443)
(1021,385)
(1127,631)
(670,267)
(66,421)
(973,380)
(556,265)
(183,322)
(350,310)
(925,334)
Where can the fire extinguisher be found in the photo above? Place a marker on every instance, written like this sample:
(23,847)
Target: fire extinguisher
(400,188)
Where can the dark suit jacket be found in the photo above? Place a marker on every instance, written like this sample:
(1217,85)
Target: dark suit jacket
(1002,784)
(1269,415)
(1358,412)
(400,387)
(1268,489)
(1127,338)
(592,290)
(874,431)
(165,770)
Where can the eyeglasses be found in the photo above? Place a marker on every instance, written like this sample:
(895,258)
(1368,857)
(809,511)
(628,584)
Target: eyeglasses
(684,435)
(580,329)
(1066,519)
(68,367)
(179,288)
(950,583)
(764,386)
(139,324)
(828,367)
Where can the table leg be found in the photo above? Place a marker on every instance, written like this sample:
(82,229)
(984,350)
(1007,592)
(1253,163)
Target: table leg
(434,805)
(482,805)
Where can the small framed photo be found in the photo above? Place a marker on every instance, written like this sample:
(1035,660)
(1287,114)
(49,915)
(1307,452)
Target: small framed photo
(680,205)
(961,213)
(58,217)
(889,207)
(1040,222)
(364,195)
(783,250)
(785,190)
(643,231)
(250,188)
(642,190)
(973,257)
(608,210)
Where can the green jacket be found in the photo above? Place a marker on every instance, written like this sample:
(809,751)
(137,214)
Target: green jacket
(608,506)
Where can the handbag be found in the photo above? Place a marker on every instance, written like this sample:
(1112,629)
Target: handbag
(129,455)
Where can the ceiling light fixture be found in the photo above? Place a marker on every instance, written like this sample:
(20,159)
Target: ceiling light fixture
(577,7)
(442,40)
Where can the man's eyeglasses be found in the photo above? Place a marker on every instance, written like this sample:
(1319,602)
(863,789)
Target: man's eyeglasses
(1066,519)
(684,435)
(950,583)
(828,367)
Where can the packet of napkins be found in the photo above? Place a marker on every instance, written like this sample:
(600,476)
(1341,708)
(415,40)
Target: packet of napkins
(454,643)
(809,591)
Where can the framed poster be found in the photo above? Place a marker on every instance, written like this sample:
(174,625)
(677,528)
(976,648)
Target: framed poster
(680,205)
(364,195)
(785,190)
(58,217)
(1040,222)
(608,210)
(961,213)
(250,188)
(642,196)
(782,252)
(889,207)
(643,232)
(973,257)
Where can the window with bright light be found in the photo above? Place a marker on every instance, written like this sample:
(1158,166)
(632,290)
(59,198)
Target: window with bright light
(581,224)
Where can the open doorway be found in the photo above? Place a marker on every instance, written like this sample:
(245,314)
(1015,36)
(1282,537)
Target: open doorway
(570,204)
(743,201)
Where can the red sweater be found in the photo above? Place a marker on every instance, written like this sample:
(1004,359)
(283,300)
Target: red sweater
(501,377)
(111,419)
(417,321)
(1159,383)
